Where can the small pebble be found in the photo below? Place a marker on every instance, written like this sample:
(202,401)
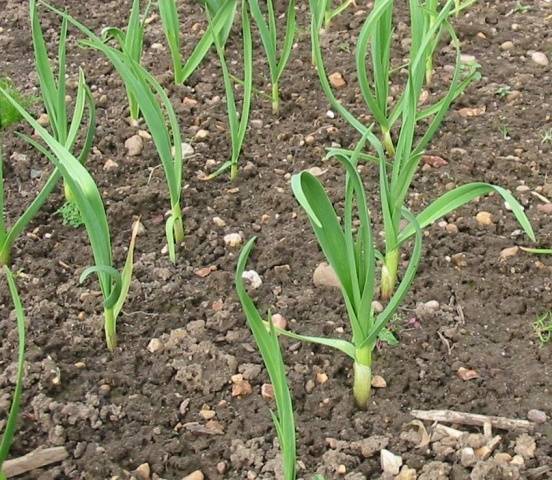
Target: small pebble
(267,391)
(451,228)
(253,279)
(187,149)
(110,165)
(390,463)
(324,276)
(197,475)
(537,416)
(43,120)
(379,382)
(540,58)
(134,145)
(219,222)
(143,471)
(233,240)
(484,218)
(321,378)
(337,80)
(467,374)
(330,114)
(155,345)
(201,134)
(507,45)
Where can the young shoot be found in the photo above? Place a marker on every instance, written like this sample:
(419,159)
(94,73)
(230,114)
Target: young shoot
(53,92)
(542,327)
(333,11)
(402,140)
(237,123)
(277,60)
(9,234)
(131,41)
(223,13)
(113,284)
(11,422)
(267,341)
(348,245)
(159,116)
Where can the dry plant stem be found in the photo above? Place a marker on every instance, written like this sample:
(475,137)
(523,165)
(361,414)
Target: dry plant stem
(362,382)
(463,418)
(33,460)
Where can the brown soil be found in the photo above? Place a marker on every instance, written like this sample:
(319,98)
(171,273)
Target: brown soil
(116,411)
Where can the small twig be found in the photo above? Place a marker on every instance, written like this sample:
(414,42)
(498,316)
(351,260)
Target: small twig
(445,341)
(448,431)
(462,418)
(34,460)
(540,197)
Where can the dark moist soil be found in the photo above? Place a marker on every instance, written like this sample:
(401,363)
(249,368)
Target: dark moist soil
(116,411)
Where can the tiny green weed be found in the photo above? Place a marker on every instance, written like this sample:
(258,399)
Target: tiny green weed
(503,91)
(542,327)
(70,215)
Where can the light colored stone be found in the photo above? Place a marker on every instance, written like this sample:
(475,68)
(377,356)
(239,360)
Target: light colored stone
(197,475)
(507,45)
(253,279)
(406,473)
(267,391)
(537,416)
(207,414)
(467,457)
(43,120)
(467,374)
(337,80)
(134,145)
(540,58)
(187,149)
(378,382)
(324,276)
(390,463)
(201,134)
(233,240)
(467,59)
(219,222)
(484,218)
(321,378)
(468,112)
(110,165)
(240,387)
(502,458)
(143,471)
(155,345)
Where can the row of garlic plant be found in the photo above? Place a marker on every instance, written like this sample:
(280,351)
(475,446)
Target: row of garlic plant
(396,149)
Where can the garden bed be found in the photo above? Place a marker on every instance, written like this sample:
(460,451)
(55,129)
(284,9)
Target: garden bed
(174,407)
